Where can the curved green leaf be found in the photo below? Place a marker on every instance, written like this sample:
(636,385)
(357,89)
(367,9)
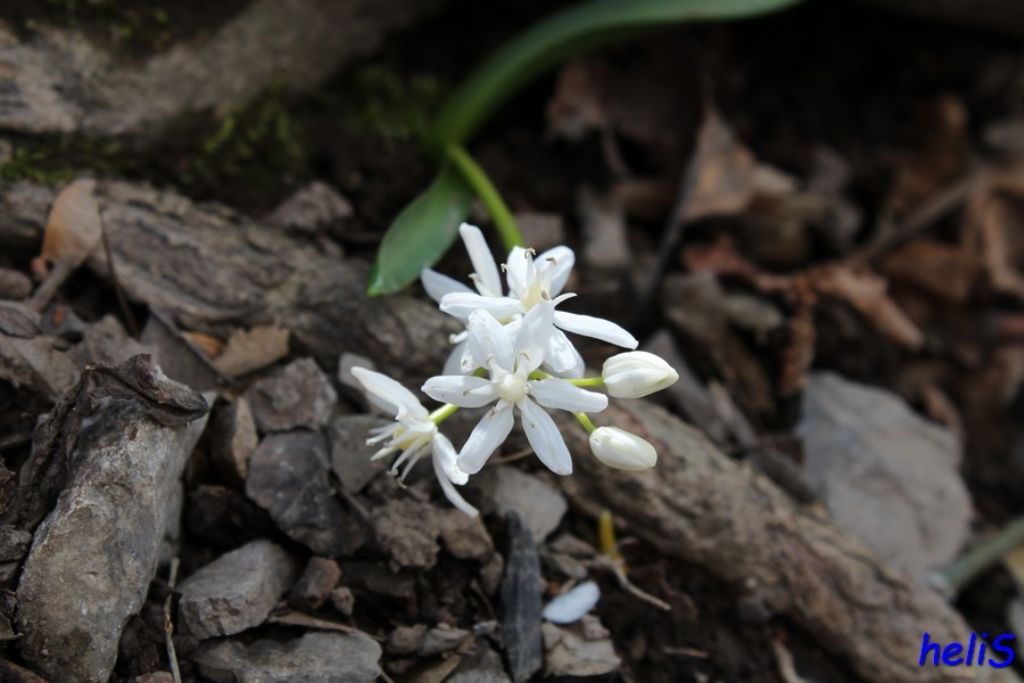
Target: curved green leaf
(421,234)
(572,31)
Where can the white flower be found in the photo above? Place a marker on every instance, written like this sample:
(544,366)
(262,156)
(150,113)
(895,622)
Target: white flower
(574,604)
(622,450)
(412,434)
(637,373)
(531,280)
(509,385)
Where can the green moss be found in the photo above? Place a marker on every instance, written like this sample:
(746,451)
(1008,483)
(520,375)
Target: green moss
(52,162)
(392,106)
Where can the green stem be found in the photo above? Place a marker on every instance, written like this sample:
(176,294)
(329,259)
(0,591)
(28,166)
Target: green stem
(588,382)
(477,179)
(585,421)
(979,559)
(443,413)
(570,32)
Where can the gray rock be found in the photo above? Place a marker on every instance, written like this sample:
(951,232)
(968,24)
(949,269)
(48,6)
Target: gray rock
(343,600)
(463,536)
(313,658)
(442,638)
(297,395)
(94,555)
(106,342)
(406,640)
(888,476)
(483,665)
(521,602)
(540,505)
(14,285)
(288,477)
(350,454)
(571,651)
(233,439)
(236,591)
(313,208)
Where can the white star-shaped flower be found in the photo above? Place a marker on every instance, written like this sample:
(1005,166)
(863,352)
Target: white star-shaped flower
(531,280)
(413,433)
(509,385)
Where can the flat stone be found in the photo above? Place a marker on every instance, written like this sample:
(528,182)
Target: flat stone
(540,505)
(887,476)
(442,638)
(316,657)
(236,591)
(463,536)
(297,395)
(483,665)
(343,600)
(288,477)
(350,454)
(406,640)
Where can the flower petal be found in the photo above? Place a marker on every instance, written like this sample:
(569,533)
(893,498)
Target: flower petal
(488,282)
(560,394)
(462,304)
(532,338)
(597,328)
(464,391)
(562,358)
(517,271)
(488,434)
(544,437)
(559,262)
(488,339)
(388,393)
(444,467)
(454,364)
(437,284)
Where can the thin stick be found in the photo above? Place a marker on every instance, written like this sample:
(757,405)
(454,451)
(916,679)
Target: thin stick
(172,656)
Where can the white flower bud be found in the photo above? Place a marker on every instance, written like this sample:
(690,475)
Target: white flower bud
(636,373)
(622,450)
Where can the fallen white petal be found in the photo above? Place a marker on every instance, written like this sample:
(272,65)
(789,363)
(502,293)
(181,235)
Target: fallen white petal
(544,437)
(597,328)
(488,280)
(437,284)
(560,394)
(488,434)
(464,391)
(573,605)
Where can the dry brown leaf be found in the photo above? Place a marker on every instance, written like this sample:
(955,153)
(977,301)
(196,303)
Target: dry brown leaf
(994,228)
(249,350)
(866,291)
(210,346)
(73,228)
(726,179)
(945,271)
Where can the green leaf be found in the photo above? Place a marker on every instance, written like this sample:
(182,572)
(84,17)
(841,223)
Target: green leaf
(421,234)
(565,34)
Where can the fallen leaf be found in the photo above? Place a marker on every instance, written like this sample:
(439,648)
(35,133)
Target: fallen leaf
(211,346)
(866,291)
(249,350)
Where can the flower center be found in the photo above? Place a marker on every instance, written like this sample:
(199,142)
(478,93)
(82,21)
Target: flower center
(512,388)
(534,295)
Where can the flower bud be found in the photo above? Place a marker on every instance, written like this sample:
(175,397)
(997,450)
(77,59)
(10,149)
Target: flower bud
(622,450)
(636,373)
